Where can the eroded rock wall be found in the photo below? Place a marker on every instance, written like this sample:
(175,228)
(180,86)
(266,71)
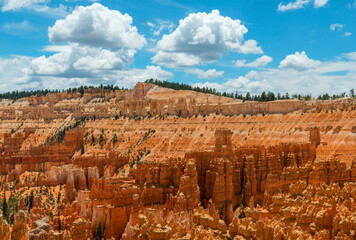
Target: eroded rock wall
(162,164)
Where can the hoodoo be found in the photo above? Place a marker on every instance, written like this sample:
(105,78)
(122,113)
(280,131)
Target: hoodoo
(157,163)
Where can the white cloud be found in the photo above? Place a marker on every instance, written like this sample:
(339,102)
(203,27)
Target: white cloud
(250,46)
(347,34)
(202,38)
(320,3)
(161,25)
(98,39)
(298,61)
(298,4)
(350,56)
(259,62)
(23,26)
(55,12)
(333,77)
(12,5)
(74,59)
(130,77)
(209,74)
(336,26)
(19,28)
(13,75)
(240,84)
(100,44)
(40,6)
(178,59)
(123,78)
(97,25)
(19,73)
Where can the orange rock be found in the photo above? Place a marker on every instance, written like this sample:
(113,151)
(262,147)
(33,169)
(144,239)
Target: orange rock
(159,163)
(79,230)
(4,229)
(19,230)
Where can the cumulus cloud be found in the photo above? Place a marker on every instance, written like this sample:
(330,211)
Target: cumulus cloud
(347,34)
(298,4)
(240,84)
(209,74)
(99,45)
(128,78)
(336,26)
(77,59)
(97,39)
(333,77)
(202,38)
(24,75)
(298,61)
(97,25)
(259,62)
(320,3)
(13,73)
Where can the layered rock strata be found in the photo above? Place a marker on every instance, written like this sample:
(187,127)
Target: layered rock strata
(155,163)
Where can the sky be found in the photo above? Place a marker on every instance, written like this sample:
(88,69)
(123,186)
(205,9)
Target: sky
(294,46)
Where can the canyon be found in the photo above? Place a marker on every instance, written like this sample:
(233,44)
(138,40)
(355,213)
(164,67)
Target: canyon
(157,163)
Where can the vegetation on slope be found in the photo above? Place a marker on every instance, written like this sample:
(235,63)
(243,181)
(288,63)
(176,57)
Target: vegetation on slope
(14,95)
(263,97)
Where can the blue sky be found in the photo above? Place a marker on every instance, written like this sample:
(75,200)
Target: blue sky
(299,46)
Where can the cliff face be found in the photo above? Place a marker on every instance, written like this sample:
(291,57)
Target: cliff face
(155,163)
(147,99)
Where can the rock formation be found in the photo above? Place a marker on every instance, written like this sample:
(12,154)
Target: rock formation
(155,163)
(4,229)
(19,230)
(79,229)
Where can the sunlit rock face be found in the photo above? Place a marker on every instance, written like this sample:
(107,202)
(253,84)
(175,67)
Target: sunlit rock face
(156,163)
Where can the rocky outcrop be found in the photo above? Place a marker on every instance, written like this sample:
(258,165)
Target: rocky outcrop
(307,212)
(227,176)
(147,99)
(41,229)
(79,229)
(4,229)
(20,228)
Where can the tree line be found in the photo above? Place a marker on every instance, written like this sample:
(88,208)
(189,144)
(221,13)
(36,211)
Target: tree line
(335,96)
(15,95)
(263,97)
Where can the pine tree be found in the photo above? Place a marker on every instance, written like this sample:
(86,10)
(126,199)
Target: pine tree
(59,198)
(59,222)
(5,209)
(30,202)
(82,149)
(248,96)
(99,232)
